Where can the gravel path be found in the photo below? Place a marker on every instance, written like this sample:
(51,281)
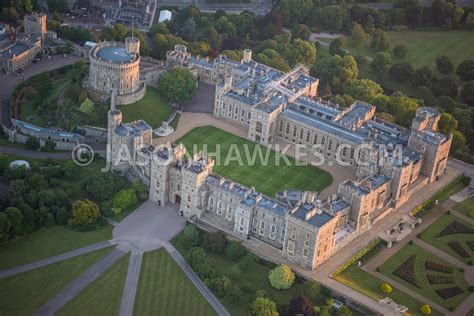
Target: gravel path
(131,284)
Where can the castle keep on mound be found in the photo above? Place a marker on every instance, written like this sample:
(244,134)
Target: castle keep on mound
(282,107)
(115,65)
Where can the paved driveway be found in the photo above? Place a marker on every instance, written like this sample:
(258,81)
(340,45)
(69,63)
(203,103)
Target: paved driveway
(149,225)
(203,101)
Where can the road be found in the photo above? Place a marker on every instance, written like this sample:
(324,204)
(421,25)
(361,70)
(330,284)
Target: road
(259,7)
(79,284)
(54,259)
(131,284)
(34,154)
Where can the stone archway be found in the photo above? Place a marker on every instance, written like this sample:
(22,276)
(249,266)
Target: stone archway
(177,199)
(257,138)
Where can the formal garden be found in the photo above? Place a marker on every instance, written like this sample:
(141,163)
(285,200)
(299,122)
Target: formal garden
(245,283)
(451,235)
(240,162)
(466,207)
(428,275)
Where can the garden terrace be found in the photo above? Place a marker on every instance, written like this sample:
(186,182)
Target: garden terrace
(449,295)
(451,235)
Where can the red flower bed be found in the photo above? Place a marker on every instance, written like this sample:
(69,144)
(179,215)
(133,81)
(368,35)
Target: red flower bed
(449,292)
(433,266)
(439,279)
(456,246)
(406,271)
(455,228)
(470,243)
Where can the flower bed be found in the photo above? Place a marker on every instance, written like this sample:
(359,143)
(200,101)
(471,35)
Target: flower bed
(433,266)
(449,292)
(406,271)
(470,243)
(455,228)
(439,279)
(456,246)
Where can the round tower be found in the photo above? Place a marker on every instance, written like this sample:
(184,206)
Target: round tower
(132,45)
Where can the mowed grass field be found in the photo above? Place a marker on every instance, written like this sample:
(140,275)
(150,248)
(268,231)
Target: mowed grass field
(369,285)
(153,108)
(103,296)
(423,46)
(24,293)
(430,235)
(164,289)
(465,206)
(426,289)
(47,242)
(267,175)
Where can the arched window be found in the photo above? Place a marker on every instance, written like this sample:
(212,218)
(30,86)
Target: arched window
(262,224)
(258,127)
(228,214)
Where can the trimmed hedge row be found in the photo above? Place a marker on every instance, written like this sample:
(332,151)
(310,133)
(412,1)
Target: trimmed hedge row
(429,204)
(374,243)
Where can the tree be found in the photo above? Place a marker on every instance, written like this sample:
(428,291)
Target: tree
(32,143)
(465,70)
(400,51)
(467,93)
(124,199)
(446,85)
(234,250)
(16,219)
(337,72)
(447,123)
(358,35)
(273,59)
(444,65)
(262,306)
(281,277)
(425,309)
(84,212)
(401,71)
(301,305)
(301,31)
(301,52)
(102,186)
(5,226)
(43,84)
(57,5)
(215,242)
(380,41)
(344,311)
(386,288)
(246,262)
(188,30)
(423,77)
(190,237)
(337,46)
(364,89)
(178,84)
(380,63)
(233,43)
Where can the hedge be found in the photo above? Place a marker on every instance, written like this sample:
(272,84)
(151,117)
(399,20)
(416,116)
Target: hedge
(424,208)
(357,256)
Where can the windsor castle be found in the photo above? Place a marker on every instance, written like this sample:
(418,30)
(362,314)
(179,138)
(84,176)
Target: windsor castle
(277,107)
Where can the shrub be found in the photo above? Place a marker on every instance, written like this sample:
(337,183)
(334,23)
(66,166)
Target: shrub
(471,213)
(49,220)
(103,186)
(200,262)
(357,256)
(262,306)
(84,212)
(190,237)
(386,288)
(32,143)
(234,250)
(246,261)
(425,309)
(124,199)
(215,242)
(281,277)
(49,146)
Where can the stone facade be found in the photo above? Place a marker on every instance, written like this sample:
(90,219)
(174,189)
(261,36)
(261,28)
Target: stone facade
(276,106)
(116,65)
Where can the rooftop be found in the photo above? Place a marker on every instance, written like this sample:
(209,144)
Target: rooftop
(316,218)
(15,50)
(115,54)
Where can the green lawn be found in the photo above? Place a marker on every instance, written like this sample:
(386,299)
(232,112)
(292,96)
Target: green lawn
(369,285)
(425,288)
(465,206)
(46,242)
(425,46)
(103,296)
(24,293)
(269,178)
(430,236)
(164,289)
(153,108)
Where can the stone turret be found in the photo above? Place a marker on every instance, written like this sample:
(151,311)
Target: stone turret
(133,45)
